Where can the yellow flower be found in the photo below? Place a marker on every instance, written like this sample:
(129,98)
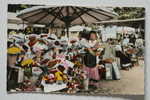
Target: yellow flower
(13,50)
(45,78)
(59,75)
(27,62)
(12,32)
(77,63)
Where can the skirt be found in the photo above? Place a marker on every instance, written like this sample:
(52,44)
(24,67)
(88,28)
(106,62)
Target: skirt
(92,73)
(93,77)
(125,60)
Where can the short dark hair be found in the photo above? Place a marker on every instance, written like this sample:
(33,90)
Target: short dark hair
(92,32)
(61,68)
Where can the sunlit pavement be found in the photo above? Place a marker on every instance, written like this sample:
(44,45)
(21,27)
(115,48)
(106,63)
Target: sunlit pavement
(131,83)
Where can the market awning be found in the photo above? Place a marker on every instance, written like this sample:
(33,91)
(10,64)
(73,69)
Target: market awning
(65,16)
(128,22)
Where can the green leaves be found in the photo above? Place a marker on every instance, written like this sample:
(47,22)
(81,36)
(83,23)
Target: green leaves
(130,12)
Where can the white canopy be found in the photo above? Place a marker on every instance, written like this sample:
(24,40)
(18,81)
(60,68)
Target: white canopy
(78,28)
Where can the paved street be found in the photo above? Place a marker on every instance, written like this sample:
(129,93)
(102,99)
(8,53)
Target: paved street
(131,83)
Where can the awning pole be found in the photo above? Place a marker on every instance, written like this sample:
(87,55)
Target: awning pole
(23,25)
(67,29)
(68,32)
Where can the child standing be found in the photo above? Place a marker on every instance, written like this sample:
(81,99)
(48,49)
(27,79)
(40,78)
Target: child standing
(91,61)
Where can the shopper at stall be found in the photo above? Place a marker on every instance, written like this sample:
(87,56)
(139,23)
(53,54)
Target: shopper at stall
(139,43)
(125,40)
(109,58)
(125,61)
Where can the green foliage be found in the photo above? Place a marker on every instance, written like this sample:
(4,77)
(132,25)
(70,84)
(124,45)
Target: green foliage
(17,7)
(130,12)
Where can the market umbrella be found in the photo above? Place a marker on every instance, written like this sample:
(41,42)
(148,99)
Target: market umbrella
(65,16)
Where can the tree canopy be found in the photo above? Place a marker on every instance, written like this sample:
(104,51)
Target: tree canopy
(17,7)
(130,12)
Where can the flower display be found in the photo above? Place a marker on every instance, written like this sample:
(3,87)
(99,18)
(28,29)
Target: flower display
(27,62)
(13,50)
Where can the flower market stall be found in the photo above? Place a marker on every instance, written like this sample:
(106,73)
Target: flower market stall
(48,63)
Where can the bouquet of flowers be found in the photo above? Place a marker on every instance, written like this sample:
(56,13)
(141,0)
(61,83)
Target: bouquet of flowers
(13,50)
